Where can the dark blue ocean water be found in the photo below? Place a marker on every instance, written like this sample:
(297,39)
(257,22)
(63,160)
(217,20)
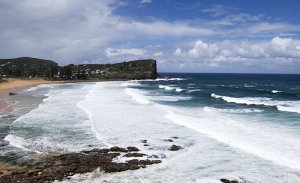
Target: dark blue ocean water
(273,93)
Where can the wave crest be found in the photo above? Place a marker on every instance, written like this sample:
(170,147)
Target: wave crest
(287,106)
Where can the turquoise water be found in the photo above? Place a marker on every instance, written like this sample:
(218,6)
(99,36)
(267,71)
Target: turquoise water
(236,126)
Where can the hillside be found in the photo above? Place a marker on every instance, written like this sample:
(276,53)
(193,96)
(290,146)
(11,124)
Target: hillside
(27,67)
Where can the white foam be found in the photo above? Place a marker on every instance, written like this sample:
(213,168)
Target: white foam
(211,109)
(170,79)
(214,142)
(179,89)
(169,98)
(170,88)
(194,90)
(287,106)
(165,79)
(276,91)
(255,138)
(16,141)
(135,94)
(130,83)
(56,125)
(34,88)
(249,86)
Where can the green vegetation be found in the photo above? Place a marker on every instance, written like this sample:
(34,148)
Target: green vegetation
(27,67)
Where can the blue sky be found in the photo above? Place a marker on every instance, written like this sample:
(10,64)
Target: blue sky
(254,36)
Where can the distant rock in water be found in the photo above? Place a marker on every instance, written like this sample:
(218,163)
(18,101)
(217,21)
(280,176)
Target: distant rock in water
(27,67)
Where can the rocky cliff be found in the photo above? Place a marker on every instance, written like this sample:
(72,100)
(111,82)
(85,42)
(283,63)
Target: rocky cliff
(33,67)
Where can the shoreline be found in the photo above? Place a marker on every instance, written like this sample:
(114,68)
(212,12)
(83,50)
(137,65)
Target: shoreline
(12,85)
(15,85)
(60,166)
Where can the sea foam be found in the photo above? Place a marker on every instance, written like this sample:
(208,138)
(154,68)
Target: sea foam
(287,106)
(170,88)
(252,138)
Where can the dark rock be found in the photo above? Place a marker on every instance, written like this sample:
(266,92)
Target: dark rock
(168,140)
(146,145)
(144,141)
(135,155)
(175,148)
(4,143)
(131,148)
(118,149)
(11,93)
(96,151)
(175,137)
(153,156)
(228,181)
(59,167)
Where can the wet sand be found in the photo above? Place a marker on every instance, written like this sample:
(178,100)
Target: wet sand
(12,85)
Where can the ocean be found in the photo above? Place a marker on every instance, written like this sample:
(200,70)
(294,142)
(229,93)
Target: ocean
(236,126)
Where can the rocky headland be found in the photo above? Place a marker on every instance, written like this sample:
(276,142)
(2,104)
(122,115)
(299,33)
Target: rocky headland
(28,68)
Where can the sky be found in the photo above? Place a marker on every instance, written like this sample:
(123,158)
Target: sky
(202,36)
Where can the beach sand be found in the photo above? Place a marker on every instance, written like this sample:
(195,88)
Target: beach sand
(13,85)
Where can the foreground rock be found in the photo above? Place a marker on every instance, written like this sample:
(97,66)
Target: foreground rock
(61,166)
(228,181)
(175,147)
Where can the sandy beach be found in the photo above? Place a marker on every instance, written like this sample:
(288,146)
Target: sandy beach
(13,85)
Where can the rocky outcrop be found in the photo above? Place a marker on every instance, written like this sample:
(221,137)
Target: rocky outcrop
(175,147)
(228,181)
(62,166)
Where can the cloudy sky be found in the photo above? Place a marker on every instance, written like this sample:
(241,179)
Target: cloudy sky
(256,36)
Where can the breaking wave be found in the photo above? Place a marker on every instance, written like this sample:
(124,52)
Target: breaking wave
(287,106)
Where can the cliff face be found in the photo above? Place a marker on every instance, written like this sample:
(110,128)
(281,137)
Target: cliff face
(32,67)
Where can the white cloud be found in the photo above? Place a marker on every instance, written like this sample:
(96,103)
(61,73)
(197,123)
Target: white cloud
(158,54)
(178,52)
(202,49)
(145,1)
(110,52)
(73,31)
(266,27)
(228,50)
(218,10)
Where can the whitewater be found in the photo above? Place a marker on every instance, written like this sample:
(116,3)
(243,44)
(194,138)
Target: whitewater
(227,129)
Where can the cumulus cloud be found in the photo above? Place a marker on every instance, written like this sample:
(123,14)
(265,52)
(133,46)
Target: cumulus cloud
(202,49)
(228,50)
(178,52)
